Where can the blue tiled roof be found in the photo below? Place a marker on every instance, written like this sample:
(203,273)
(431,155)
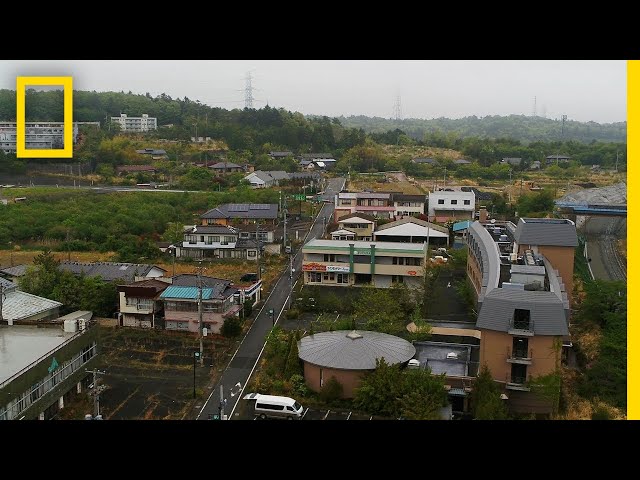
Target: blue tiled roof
(186,292)
(461,226)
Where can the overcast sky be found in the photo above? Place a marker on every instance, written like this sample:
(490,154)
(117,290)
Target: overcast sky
(582,90)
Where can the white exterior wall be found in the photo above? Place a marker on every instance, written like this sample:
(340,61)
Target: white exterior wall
(459,196)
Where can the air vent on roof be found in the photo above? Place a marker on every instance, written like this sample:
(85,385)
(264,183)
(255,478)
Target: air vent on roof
(123,267)
(353,335)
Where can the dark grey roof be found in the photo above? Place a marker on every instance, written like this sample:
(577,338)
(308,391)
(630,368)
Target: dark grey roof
(219,286)
(546,231)
(246,243)
(270,175)
(109,271)
(6,284)
(151,151)
(461,161)
(547,312)
(301,175)
(280,154)
(314,156)
(353,350)
(558,157)
(528,269)
(17,271)
(243,210)
(219,229)
(223,165)
(481,195)
(512,160)
(424,160)
(401,197)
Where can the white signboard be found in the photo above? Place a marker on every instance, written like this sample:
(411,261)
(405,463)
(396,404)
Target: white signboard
(338,268)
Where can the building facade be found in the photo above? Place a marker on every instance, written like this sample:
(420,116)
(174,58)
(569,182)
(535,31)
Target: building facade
(408,205)
(344,263)
(140,305)
(216,241)
(38,135)
(523,304)
(451,205)
(135,124)
(44,368)
(376,204)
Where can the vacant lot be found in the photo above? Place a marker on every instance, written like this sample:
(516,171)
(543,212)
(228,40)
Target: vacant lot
(149,373)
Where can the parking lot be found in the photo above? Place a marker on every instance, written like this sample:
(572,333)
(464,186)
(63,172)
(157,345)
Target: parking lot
(317,414)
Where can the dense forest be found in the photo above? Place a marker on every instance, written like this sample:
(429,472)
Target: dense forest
(517,127)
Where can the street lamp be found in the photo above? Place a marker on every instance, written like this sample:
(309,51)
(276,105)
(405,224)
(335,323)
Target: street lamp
(237,388)
(273,321)
(196,355)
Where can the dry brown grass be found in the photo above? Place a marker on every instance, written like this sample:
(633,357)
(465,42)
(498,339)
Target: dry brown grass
(396,151)
(578,408)
(622,248)
(404,186)
(18,257)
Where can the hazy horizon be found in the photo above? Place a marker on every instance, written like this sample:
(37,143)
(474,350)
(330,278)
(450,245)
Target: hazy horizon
(583,90)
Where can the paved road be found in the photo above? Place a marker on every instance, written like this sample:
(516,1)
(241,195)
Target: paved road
(246,357)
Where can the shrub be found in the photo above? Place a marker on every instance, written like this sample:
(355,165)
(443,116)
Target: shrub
(293,313)
(298,386)
(600,413)
(331,391)
(231,327)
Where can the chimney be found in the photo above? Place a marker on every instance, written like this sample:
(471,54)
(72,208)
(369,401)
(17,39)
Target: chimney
(483,215)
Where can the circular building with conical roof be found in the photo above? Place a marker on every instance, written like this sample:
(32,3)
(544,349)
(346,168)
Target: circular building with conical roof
(347,355)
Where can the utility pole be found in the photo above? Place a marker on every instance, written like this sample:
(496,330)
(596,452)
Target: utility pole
(616,161)
(1,300)
(96,392)
(200,311)
(259,250)
(444,181)
(290,279)
(284,237)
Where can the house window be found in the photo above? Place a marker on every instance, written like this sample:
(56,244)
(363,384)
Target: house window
(397,279)
(229,239)
(521,319)
(441,201)
(315,277)
(329,257)
(251,253)
(454,202)
(330,276)
(467,202)
(343,278)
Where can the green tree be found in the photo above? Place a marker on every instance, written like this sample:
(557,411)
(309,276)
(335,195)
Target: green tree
(381,310)
(331,390)
(41,278)
(231,327)
(486,403)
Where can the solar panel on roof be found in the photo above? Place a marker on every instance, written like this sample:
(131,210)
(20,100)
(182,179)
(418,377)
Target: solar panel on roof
(260,206)
(238,207)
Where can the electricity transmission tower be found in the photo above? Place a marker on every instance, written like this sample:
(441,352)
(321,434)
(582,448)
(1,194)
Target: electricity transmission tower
(397,108)
(248,91)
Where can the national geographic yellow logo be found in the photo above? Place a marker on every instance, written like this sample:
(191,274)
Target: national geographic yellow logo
(21,150)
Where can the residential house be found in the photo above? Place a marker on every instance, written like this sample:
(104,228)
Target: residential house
(242,213)
(181,303)
(377,204)
(13,274)
(558,158)
(18,307)
(112,271)
(280,155)
(222,168)
(412,230)
(266,179)
(140,305)
(522,294)
(450,204)
(155,153)
(535,165)
(516,162)
(425,161)
(461,161)
(316,156)
(344,263)
(408,205)
(216,241)
(356,226)
(324,164)
(127,169)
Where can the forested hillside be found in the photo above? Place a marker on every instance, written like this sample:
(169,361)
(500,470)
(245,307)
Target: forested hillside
(516,127)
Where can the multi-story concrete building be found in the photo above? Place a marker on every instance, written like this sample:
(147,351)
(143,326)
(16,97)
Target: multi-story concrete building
(445,205)
(135,124)
(523,303)
(41,369)
(344,263)
(38,135)
(355,227)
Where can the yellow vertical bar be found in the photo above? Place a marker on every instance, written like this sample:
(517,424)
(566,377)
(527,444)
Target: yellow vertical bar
(633,274)
(20,116)
(68,117)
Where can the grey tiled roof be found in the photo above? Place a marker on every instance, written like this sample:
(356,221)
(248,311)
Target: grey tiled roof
(424,160)
(223,165)
(21,305)
(546,231)
(340,350)
(6,284)
(17,271)
(109,271)
(243,210)
(401,197)
(547,311)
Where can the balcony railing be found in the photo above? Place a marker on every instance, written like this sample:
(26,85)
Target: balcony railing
(520,356)
(518,383)
(520,327)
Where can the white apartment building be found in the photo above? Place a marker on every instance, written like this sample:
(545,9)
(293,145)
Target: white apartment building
(451,204)
(136,124)
(38,135)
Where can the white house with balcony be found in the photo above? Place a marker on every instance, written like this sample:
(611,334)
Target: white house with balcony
(216,241)
(450,204)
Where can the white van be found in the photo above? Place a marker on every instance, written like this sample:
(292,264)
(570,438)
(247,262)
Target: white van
(274,406)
